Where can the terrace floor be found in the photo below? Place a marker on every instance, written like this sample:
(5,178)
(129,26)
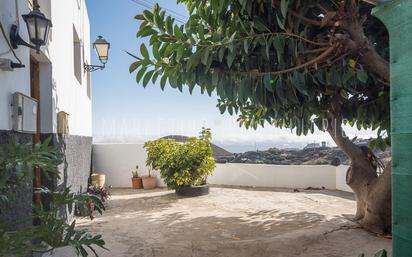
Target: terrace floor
(238,222)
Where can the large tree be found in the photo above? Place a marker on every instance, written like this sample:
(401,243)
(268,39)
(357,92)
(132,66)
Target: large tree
(289,63)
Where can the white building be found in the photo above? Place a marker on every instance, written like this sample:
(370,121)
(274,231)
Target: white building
(56,78)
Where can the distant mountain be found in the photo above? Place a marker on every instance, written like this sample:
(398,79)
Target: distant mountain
(218,152)
(308,156)
(319,155)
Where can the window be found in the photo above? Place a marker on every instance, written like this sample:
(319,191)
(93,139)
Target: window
(77,56)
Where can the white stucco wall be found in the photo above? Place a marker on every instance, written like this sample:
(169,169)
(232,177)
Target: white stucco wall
(118,160)
(60,90)
(18,80)
(262,175)
(341,179)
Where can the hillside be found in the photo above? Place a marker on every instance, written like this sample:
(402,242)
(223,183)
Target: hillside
(314,156)
(311,156)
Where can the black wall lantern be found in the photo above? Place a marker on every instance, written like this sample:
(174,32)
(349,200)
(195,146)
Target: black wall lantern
(38,27)
(102,49)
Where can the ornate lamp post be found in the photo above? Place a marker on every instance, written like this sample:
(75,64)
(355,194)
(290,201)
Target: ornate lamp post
(38,27)
(102,49)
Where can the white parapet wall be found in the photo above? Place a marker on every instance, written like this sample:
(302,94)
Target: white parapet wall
(341,179)
(118,160)
(264,175)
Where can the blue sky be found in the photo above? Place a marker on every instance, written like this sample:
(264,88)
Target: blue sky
(123,111)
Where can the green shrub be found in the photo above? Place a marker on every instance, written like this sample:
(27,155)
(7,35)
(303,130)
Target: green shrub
(182,164)
(17,162)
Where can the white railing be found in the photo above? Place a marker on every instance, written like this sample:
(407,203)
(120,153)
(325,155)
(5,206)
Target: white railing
(118,160)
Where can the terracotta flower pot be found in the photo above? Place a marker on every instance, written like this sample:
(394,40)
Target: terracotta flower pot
(137,183)
(149,182)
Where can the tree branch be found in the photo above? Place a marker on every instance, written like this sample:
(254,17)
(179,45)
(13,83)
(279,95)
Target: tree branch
(334,128)
(280,72)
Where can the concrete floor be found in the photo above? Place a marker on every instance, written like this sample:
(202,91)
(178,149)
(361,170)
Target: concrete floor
(238,222)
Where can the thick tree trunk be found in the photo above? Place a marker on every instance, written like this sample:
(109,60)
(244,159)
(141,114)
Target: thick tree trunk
(372,192)
(373,197)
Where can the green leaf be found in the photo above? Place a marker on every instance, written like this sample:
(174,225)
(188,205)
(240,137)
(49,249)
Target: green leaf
(140,74)
(230,58)
(179,53)
(381,253)
(148,15)
(134,66)
(222,51)
(298,81)
(362,75)
(147,78)
(284,7)
(279,46)
(280,22)
(280,91)
(144,52)
(205,56)
(169,25)
(163,82)
(246,45)
(209,88)
(222,108)
(259,25)
(140,17)
(155,49)
(155,75)
(215,78)
(146,31)
(194,59)
(269,82)
(178,33)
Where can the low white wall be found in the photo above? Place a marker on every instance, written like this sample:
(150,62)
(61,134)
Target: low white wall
(118,160)
(341,179)
(262,175)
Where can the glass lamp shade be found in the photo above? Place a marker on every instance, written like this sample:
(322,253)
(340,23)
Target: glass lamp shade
(38,27)
(102,49)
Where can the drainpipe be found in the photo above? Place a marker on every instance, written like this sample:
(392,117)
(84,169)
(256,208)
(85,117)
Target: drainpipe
(397,16)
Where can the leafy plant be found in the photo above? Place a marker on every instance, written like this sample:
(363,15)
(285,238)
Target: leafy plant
(181,164)
(53,231)
(101,192)
(135,173)
(17,162)
(381,253)
(16,165)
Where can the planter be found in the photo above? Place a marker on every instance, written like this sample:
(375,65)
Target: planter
(98,179)
(137,183)
(193,191)
(149,182)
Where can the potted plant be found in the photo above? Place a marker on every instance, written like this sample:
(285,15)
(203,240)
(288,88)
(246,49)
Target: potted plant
(183,166)
(149,181)
(98,179)
(136,180)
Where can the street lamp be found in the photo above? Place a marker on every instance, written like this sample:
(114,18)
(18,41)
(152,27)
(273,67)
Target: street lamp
(38,27)
(102,49)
